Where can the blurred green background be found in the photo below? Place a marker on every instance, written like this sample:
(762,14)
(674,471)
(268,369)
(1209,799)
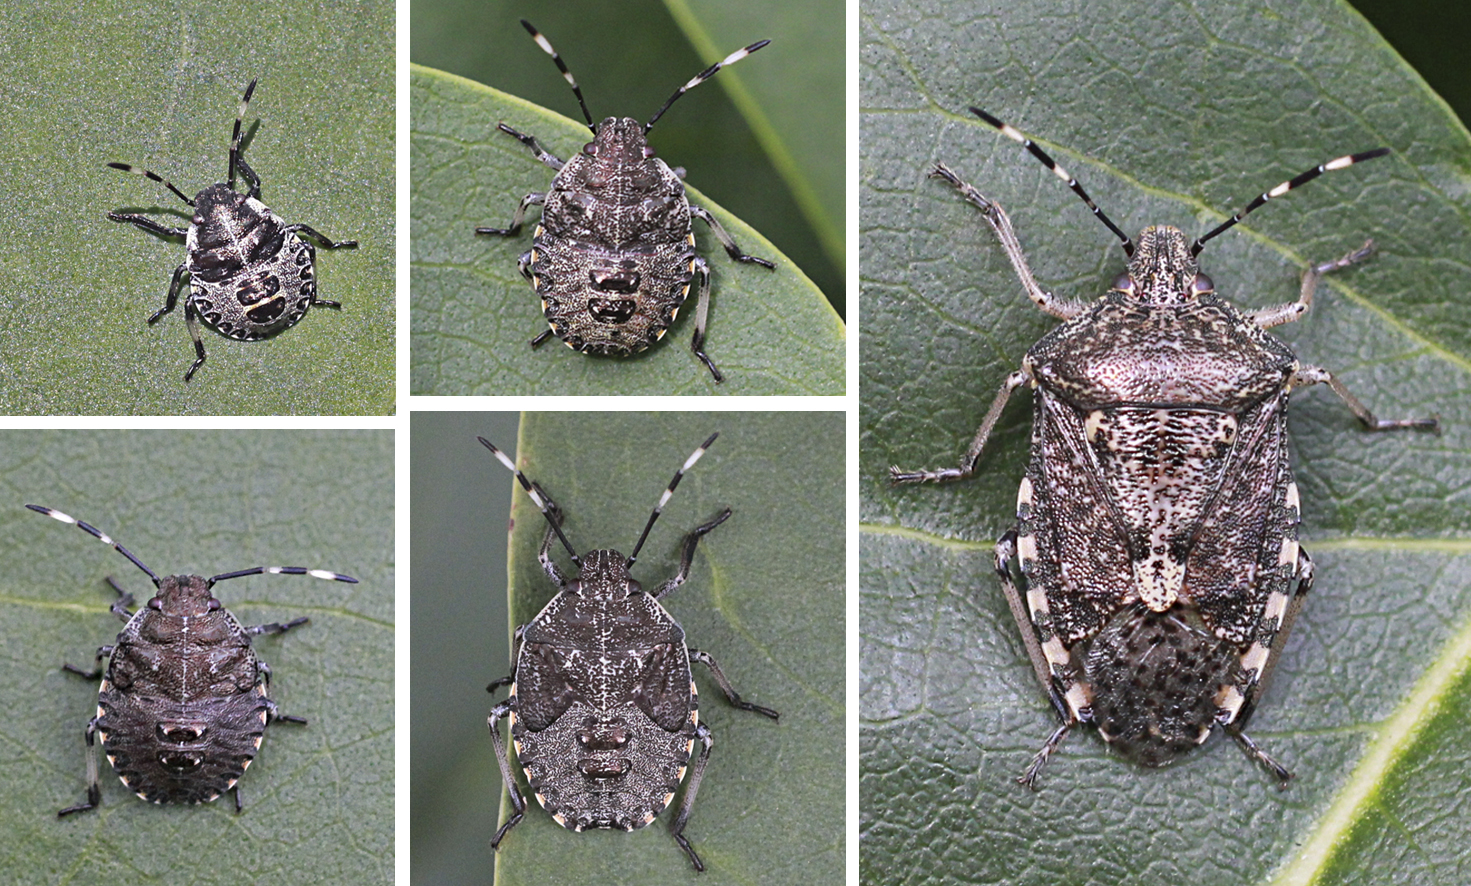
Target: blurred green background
(1432,35)
(777,161)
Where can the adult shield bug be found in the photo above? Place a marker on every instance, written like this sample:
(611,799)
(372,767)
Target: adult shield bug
(184,701)
(603,707)
(614,257)
(250,275)
(1156,533)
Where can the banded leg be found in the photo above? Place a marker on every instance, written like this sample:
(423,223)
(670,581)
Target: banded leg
(1312,375)
(530,141)
(544,553)
(119,608)
(973,454)
(697,772)
(518,803)
(1000,222)
(94,786)
(726,240)
(687,555)
(1276,315)
(532,199)
(276,627)
(730,694)
(702,316)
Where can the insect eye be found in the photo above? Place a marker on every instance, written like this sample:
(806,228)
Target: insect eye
(155,603)
(214,604)
(1124,283)
(648,152)
(634,587)
(590,149)
(1201,285)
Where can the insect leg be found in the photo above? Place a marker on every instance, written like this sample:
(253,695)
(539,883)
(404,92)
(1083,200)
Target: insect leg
(1312,375)
(730,694)
(123,601)
(321,238)
(687,556)
(532,199)
(180,273)
(191,321)
(274,714)
(726,239)
(997,218)
(697,772)
(94,788)
(249,175)
(702,317)
(1279,314)
(973,455)
(276,627)
(530,141)
(518,803)
(96,672)
(147,224)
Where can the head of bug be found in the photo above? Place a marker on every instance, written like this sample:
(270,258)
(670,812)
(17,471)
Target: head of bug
(601,574)
(185,595)
(623,140)
(218,199)
(1162,267)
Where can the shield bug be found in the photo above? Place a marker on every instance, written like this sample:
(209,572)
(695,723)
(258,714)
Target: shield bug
(250,274)
(603,707)
(184,701)
(1156,534)
(614,257)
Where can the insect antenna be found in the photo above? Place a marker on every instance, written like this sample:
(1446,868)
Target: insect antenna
(546,47)
(285,570)
(1011,133)
(95,533)
(1304,178)
(702,77)
(138,170)
(532,489)
(668,491)
(235,137)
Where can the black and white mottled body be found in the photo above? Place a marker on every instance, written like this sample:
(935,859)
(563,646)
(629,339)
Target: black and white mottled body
(603,707)
(184,701)
(250,274)
(613,258)
(1156,532)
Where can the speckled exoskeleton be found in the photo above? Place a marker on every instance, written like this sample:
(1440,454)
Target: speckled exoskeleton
(603,707)
(1156,533)
(250,274)
(614,256)
(184,701)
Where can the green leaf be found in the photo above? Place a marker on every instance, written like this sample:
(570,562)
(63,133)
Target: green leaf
(764,139)
(1183,122)
(473,313)
(161,91)
(765,598)
(319,798)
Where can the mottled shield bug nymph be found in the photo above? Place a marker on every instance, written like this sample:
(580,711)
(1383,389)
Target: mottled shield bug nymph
(613,257)
(1154,570)
(184,700)
(250,273)
(603,706)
